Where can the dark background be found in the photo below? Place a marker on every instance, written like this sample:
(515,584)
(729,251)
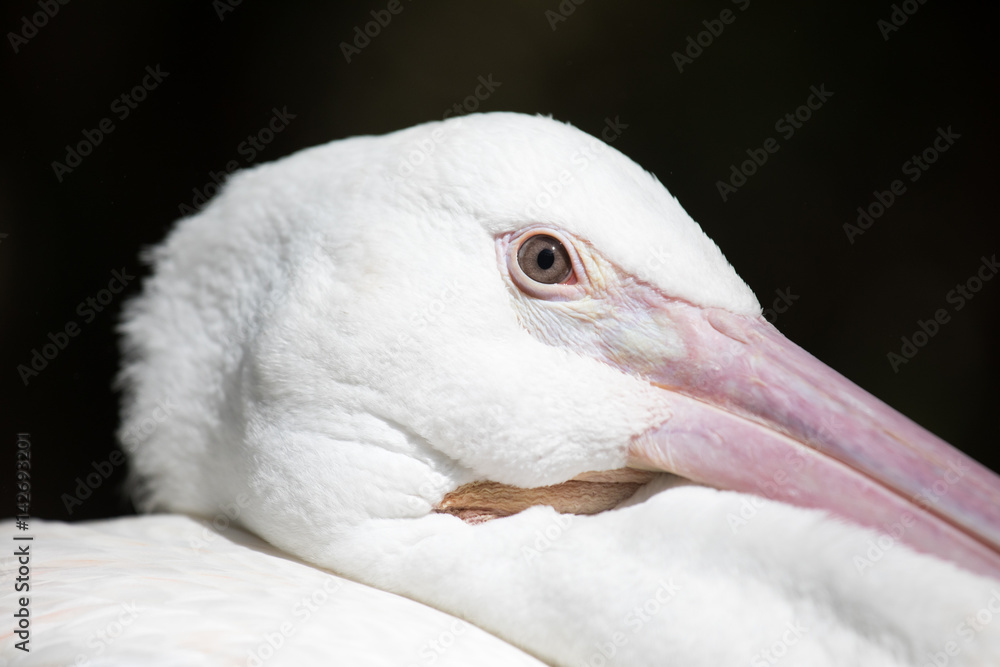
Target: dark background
(60,241)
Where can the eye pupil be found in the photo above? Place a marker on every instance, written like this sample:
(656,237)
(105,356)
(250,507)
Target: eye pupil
(544,259)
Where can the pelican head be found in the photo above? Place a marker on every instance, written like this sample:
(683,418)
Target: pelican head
(469,317)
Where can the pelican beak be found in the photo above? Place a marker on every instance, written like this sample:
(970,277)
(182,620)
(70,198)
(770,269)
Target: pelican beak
(753,412)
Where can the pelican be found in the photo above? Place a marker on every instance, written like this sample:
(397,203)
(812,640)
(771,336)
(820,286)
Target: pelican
(487,374)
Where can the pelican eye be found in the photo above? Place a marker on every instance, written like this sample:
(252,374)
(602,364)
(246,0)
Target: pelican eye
(544,259)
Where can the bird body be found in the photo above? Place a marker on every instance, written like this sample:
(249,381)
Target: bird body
(171,590)
(695,575)
(399,353)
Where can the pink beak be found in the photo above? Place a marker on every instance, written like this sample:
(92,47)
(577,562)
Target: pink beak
(753,412)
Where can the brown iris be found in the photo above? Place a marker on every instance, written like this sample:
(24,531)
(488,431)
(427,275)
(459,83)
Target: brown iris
(544,259)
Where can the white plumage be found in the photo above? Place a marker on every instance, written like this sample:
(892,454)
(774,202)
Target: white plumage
(168,590)
(344,337)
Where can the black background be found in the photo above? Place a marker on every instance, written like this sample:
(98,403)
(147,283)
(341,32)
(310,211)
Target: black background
(782,230)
